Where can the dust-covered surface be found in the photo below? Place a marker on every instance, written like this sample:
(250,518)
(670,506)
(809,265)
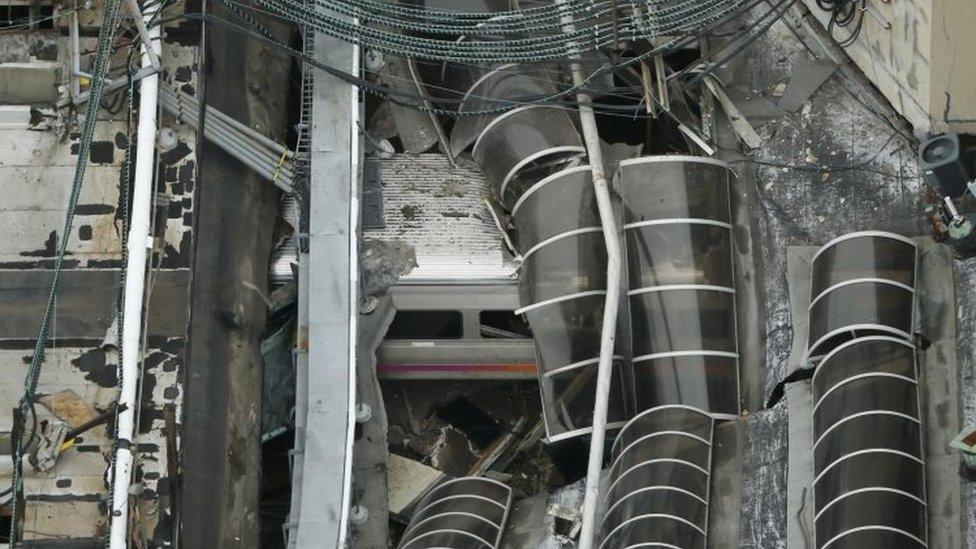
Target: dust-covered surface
(383,262)
(36,168)
(869,180)
(763,520)
(441,211)
(856,172)
(966,354)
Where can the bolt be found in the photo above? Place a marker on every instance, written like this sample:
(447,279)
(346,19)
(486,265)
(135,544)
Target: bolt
(358,515)
(363,412)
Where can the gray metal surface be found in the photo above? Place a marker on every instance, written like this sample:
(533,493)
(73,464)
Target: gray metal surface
(799,497)
(475,354)
(371,452)
(331,293)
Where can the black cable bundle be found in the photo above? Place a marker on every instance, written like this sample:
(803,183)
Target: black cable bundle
(844,14)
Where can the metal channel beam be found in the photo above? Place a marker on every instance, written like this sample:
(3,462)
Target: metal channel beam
(322,520)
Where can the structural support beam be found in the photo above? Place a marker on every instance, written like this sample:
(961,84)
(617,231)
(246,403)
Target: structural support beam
(332,292)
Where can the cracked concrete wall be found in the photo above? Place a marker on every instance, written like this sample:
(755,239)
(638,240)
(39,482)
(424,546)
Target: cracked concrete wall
(925,63)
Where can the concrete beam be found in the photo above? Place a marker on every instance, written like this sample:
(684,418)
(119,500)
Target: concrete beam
(30,82)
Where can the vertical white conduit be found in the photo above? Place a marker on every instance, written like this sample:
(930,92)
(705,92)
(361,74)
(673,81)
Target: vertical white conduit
(354,175)
(594,152)
(135,275)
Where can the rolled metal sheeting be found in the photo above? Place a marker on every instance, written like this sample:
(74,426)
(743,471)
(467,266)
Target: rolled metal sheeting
(463,513)
(524,145)
(574,264)
(869,483)
(558,204)
(862,284)
(567,341)
(678,231)
(491,90)
(659,480)
(562,290)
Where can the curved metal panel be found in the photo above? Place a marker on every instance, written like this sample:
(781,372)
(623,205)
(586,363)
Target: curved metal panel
(862,394)
(864,255)
(683,320)
(568,398)
(567,266)
(441,539)
(659,446)
(662,472)
(469,486)
(869,469)
(704,381)
(662,255)
(868,431)
(872,508)
(490,90)
(677,220)
(477,505)
(869,489)
(875,537)
(833,318)
(654,529)
(521,138)
(659,479)
(459,522)
(674,187)
(567,332)
(864,355)
(462,513)
(659,500)
(667,418)
(559,203)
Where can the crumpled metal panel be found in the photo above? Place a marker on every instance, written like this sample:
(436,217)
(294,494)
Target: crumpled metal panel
(659,480)
(567,340)
(462,513)
(678,232)
(569,396)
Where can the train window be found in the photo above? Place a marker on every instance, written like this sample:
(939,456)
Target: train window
(426,325)
(503,325)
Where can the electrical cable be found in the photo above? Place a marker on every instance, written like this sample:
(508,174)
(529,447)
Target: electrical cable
(859,165)
(755,31)
(844,13)
(395,95)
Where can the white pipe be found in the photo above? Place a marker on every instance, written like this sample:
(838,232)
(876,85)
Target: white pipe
(591,139)
(135,274)
(75,54)
(353,301)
